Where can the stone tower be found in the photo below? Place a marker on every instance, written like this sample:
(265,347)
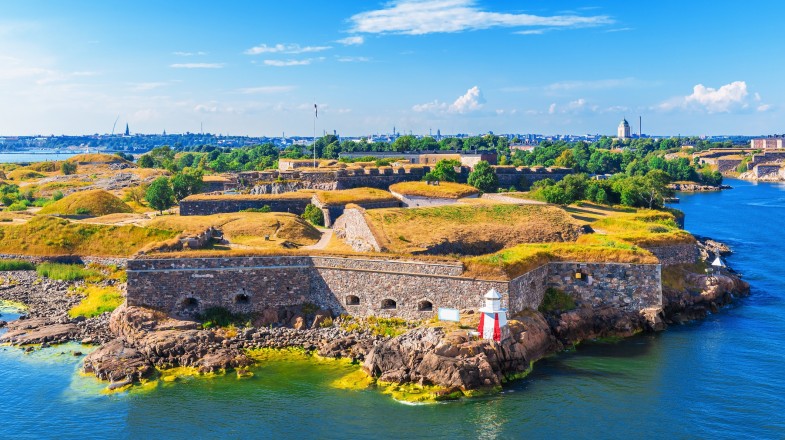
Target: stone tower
(624,129)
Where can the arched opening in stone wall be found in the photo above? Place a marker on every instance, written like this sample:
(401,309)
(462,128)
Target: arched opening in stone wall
(425,306)
(352,300)
(242,299)
(190,303)
(388,304)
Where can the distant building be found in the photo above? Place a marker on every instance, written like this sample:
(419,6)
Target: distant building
(624,130)
(767,143)
(430,158)
(522,147)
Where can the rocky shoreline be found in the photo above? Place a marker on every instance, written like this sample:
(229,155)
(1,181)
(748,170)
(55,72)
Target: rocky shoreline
(136,343)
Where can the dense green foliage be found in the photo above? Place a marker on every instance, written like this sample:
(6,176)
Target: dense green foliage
(444,171)
(159,194)
(66,272)
(187,182)
(14,199)
(483,177)
(313,215)
(68,168)
(6,265)
(647,191)
(555,299)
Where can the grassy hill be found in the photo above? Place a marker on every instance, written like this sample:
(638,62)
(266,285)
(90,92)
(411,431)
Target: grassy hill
(470,229)
(355,195)
(444,190)
(94,202)
(44,235)
(246,228)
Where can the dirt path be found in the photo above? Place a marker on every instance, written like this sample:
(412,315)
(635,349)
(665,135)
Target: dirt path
(327,235)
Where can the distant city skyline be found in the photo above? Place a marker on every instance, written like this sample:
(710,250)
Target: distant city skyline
(459,66)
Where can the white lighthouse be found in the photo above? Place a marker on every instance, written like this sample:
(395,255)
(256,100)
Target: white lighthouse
(493,318)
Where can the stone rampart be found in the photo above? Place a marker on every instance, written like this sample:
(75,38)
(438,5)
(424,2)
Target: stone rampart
(630,287)
(217,206)
(683,253)
(273,181)
(367,286)
(353,229)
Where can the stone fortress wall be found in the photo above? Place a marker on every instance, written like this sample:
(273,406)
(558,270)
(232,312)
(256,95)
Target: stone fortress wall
(369,286)
(278,182)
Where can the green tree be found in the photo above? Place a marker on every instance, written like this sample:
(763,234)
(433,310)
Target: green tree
(187,182)
(445,170)
(483,177)
(68,168)
(314,215)
(146,161)
(655,188)
(159,194)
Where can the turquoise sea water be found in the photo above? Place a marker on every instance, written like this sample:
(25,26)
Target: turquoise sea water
(28,157)
(718,378)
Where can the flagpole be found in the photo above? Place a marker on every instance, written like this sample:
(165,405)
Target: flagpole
(315,115)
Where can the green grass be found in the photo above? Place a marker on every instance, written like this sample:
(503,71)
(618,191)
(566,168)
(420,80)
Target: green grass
(221,317)
(389,327)
(67,272)
(98,300)
(6,265)
(555,299)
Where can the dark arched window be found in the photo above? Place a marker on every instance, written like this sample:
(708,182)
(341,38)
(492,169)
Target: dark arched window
(242,299)
(352,300)
(425,306)
(388,304)
(190,303)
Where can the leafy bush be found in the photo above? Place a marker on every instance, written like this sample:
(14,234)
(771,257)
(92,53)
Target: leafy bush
(98,300)
(57,195)
(313,215)
(82,211)
(555,299)
(6,265)
(67,272)
(68,168)
(483,177)
(265,208)
(221,317)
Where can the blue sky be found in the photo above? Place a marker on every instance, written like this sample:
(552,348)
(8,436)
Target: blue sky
(469,66)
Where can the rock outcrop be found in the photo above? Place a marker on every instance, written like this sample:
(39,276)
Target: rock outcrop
(455,362)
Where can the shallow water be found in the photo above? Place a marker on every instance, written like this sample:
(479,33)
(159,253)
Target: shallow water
(29,157)
(720,378)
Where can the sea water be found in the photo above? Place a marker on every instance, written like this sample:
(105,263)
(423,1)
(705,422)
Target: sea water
(722,377)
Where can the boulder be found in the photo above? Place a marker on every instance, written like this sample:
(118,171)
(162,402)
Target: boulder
(116,362)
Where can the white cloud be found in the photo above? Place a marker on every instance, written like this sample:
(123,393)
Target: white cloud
(287,63)
(355,40)
(353,59)
(764,108)
(469,102)
(266,90)
(434,106)
(188,54)
(418,17)
(197,66)
(285,48)
(577,106)
(728,98)
(472,100)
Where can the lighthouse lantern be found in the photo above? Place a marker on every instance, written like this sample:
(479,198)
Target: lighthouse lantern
(493,318)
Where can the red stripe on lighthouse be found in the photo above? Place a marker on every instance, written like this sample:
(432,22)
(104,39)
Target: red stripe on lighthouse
(481,328)
(497,331)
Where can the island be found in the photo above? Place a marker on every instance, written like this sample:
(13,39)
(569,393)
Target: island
(350,260)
